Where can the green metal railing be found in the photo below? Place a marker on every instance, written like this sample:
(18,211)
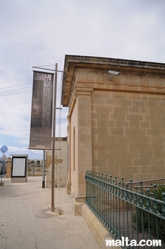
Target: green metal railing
(137,214)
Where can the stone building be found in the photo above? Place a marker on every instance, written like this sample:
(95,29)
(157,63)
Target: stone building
(116,122)
(60,164)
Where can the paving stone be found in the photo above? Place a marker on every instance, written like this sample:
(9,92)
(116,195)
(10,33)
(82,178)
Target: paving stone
(26,221)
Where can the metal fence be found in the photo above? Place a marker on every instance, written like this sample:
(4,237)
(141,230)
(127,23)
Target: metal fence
(126,210)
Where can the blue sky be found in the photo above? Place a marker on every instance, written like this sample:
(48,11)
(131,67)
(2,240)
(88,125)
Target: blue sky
(39,33)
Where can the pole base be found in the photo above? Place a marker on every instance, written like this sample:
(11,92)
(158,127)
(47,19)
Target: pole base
(52,208)
(43,184)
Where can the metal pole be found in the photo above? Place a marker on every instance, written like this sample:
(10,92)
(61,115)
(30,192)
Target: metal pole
(53,142)
(43,170)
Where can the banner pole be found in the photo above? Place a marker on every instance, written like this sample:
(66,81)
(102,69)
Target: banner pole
(53,142)
(43,170)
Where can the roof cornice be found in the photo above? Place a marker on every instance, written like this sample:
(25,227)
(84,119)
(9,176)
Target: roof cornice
(102,63)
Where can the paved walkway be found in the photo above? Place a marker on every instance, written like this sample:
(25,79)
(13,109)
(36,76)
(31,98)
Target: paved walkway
(26,221)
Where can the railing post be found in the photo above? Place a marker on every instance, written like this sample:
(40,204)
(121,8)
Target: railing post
(163,206)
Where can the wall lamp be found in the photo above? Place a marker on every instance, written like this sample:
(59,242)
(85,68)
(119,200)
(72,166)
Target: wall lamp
(111,73)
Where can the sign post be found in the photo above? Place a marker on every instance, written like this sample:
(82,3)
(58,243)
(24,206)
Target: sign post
(4,149)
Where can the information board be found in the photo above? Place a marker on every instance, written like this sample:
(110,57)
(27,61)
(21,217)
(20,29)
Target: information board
(19,167)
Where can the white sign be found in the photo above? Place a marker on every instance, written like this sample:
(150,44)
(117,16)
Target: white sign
(19,167)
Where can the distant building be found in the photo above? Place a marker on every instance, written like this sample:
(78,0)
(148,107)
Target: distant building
(116,123)
(60,163)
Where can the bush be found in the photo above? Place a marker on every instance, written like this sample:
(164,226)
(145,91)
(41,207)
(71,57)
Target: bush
(154,221)
(143,220)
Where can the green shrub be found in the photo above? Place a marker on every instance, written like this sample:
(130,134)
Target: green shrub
(154,221)
(143,220)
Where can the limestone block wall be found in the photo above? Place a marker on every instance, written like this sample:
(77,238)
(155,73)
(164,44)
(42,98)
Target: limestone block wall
(84,139)
(8,168)
(128,134)
(60,164)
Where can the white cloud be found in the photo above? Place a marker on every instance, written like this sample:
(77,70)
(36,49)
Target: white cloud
(32,154)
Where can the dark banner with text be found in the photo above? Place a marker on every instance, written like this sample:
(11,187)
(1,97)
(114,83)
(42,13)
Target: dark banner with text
(41,111)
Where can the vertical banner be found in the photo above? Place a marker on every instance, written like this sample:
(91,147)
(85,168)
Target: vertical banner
(41,111)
